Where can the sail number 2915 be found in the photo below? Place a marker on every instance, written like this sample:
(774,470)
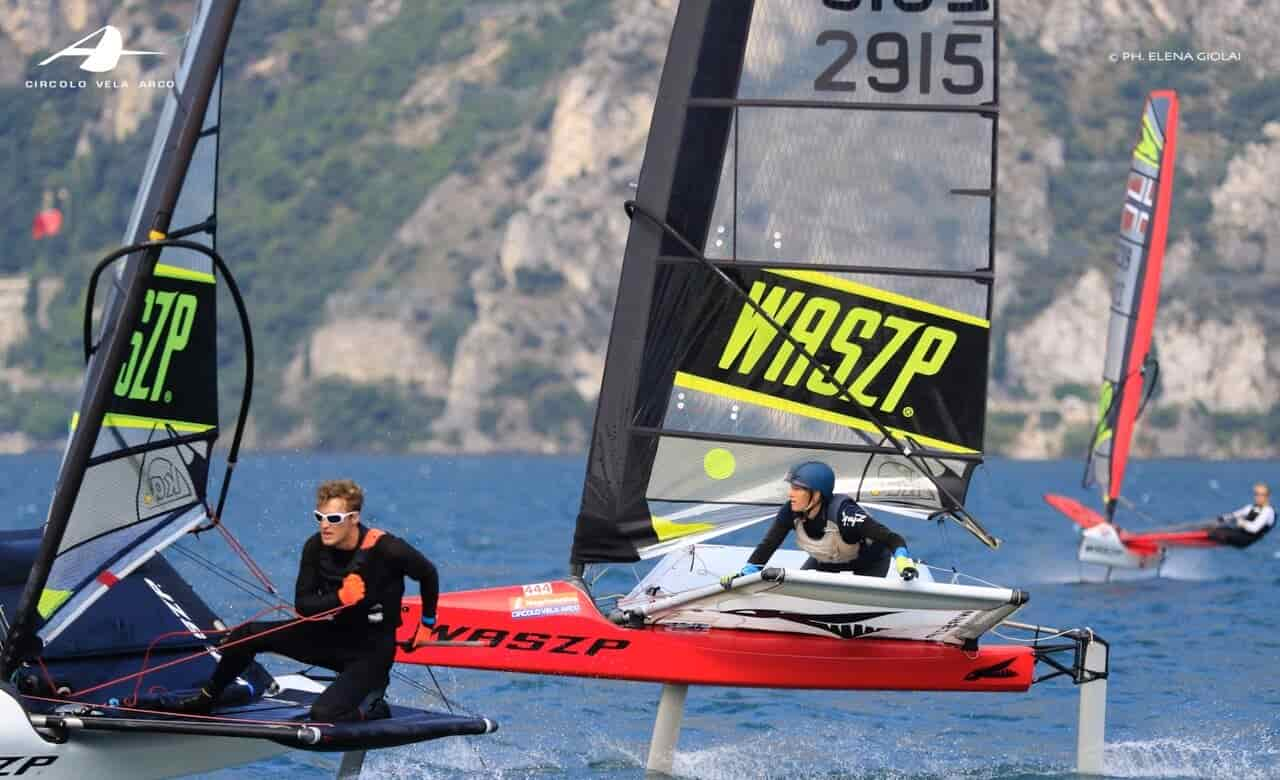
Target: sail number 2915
(899,61)
(890,54)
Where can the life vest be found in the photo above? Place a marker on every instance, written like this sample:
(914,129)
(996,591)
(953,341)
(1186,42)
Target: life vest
(1266,529)
(371,537)
(831,546)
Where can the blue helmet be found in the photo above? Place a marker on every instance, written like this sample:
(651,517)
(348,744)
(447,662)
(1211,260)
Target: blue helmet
(813,475)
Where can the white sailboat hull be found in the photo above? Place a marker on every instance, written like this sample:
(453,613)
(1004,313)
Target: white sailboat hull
(684,589)
(88,755)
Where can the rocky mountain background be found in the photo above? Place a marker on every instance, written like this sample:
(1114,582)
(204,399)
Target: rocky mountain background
(422,203)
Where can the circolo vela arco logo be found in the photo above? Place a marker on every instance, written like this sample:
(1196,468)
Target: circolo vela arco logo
(104,56)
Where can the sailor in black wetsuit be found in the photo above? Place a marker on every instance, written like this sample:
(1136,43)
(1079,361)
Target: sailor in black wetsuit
(838,534)
(1249,523)
(345,565)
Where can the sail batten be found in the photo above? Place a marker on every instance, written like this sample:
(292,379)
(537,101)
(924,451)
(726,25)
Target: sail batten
(1129,370)
(799,281)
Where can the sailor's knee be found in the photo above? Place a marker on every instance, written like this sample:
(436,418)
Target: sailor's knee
(237,637)
(248,639)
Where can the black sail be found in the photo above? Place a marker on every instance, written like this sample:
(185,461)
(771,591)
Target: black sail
(836,162)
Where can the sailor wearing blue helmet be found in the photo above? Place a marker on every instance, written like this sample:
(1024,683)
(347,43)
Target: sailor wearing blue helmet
(838,534)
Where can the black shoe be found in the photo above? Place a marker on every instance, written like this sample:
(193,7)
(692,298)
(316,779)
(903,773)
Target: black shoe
(199,703)
(377,710)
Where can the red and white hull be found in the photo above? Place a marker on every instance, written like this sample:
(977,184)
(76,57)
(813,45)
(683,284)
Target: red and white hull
(555,628)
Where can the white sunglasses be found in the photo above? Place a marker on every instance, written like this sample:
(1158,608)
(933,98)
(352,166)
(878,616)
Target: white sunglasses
(335,517)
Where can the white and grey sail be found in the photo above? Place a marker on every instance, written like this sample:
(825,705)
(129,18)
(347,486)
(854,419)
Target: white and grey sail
(133,477)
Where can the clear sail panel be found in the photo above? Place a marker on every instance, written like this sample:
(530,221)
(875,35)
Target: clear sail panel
(837,187)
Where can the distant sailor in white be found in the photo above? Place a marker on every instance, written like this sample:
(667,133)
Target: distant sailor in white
(1249,523)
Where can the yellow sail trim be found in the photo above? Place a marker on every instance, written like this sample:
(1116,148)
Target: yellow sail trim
(735,393)
(178,272)
(145,423)
(867,291)
(50,600)
(666,530)
(1148,148)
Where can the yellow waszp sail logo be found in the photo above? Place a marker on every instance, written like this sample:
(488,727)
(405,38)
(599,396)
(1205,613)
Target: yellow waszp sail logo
(168,376)
(918,366)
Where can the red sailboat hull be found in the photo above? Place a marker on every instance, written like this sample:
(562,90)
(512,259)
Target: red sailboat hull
(1145,544)
(554,628)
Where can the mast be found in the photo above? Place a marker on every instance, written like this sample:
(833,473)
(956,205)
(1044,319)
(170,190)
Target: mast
(192,96)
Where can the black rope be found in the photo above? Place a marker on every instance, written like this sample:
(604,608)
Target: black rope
(1151,363)
(952,505)
(1154,365)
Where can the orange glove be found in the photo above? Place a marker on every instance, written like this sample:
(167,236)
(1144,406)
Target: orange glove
(422,637)
(352,590)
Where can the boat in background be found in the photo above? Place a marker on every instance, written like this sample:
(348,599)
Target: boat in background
(1130,371)
(100,632)
(808,276)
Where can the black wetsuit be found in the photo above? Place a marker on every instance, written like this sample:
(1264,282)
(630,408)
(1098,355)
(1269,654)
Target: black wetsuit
(359,641)
(856,527)
(1236,532)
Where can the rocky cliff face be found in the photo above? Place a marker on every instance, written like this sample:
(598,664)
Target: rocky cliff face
(493,298)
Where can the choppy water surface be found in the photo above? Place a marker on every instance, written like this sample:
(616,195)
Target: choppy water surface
(1194,692)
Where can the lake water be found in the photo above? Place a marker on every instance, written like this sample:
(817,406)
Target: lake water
(1194,691)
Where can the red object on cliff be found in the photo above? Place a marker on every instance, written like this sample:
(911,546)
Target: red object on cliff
(48,223)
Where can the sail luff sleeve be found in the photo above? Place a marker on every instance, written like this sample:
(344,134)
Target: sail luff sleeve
(160,201)
(616,478)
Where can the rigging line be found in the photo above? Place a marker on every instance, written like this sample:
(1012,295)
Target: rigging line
(448,705)
(1193,525)
(250,589)
(146,656)
(1111,403)
(226,576)
(947,545)
(1037,639)
(171,715)
(202,653)
(412,683)
(439,690)
(1154,365)
(156,640)
(955,508)
(247,559)
(1133,508)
